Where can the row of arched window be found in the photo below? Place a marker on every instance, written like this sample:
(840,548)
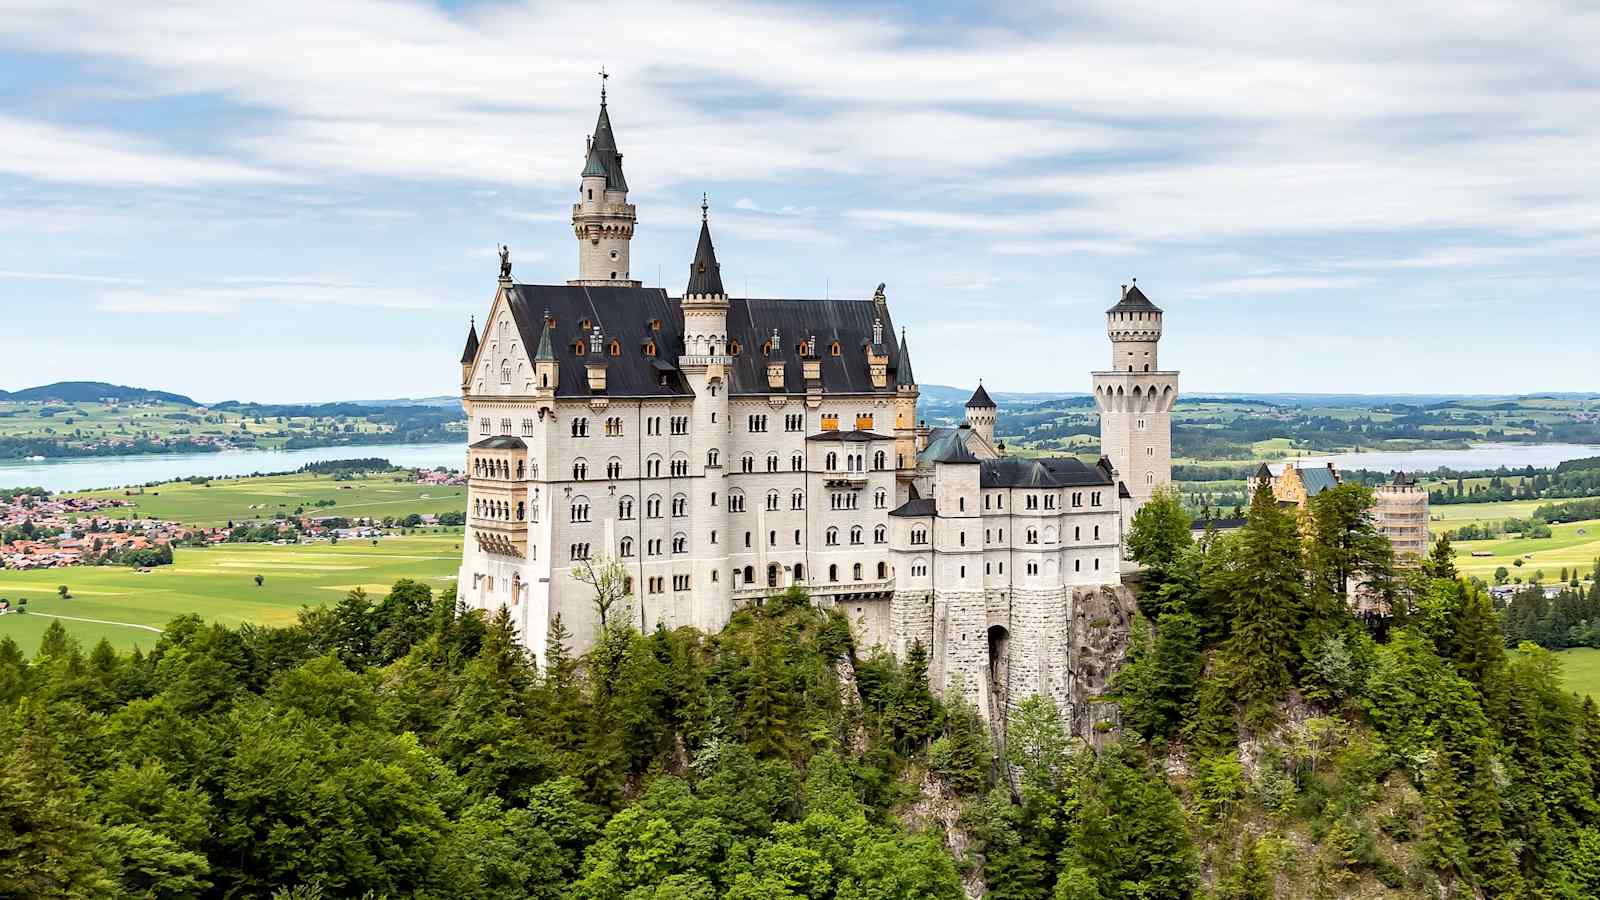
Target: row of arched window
(498,468)
(498,509)
(880,535)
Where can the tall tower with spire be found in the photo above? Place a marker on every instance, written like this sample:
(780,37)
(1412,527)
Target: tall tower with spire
(1135,399)
(603,219)
(706,366)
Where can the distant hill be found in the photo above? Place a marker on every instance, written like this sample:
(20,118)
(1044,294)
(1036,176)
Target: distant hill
(411,401)
(91,391)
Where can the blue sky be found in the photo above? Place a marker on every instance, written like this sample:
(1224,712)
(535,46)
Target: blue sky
(301,200)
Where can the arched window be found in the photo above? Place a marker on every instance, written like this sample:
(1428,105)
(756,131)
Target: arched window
(883,570)
(772,462)
(625,508)
(625,549)
(749,574)
(652,466)
(580,470)
(855,572)
(880,498)
(747,463)
(797,500)
(833,348)
(797,463)
(880,535)
(736,500)
(616,347)
(772,501)
(880,460)
(831,539)
(855,534)
(680,544)
(713,458)
(833,573)
(522,510)
(799,572)
(580,509)
(832,461)
(652,506)
(680,506)
(614,468)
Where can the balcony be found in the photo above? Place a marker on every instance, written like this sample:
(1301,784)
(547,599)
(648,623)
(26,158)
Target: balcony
(845,479)
(689,360)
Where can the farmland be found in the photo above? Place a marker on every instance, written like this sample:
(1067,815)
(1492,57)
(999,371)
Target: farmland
(220,501)
(1580,670)
(218,584)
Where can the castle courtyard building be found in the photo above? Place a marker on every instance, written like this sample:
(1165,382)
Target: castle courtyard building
(721,448)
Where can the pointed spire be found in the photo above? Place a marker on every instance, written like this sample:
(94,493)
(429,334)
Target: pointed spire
(545,350)
(471,352)
(980,398)
(902,369)
(603,146)
(705,274)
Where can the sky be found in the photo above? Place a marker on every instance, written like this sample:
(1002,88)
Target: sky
(301,200)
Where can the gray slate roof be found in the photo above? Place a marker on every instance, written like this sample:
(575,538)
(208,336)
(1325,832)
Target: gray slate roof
(705,274)
(849,322)
(853,436)
(916,508)
(1134,301)
(1317,479)
(501,442)
(604,145)
(470,354)
(1049,472)
(980,399)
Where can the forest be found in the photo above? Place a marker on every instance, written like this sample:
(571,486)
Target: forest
(1272,743)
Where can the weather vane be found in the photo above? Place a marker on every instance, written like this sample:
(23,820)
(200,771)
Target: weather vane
(603,77)
(705,206)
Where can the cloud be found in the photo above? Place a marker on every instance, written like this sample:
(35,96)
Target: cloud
(236,294)
(46,152)
(13,275)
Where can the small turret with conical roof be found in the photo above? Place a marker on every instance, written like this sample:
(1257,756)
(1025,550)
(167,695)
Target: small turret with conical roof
(545,369)
(469,354)
(981,414)
(705,273)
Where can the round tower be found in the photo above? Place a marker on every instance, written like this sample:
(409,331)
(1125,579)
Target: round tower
(1135,399)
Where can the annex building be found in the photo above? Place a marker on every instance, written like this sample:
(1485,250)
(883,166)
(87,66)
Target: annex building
(722,448)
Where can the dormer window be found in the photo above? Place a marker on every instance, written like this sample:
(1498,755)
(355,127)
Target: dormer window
(766,349)
(585,326)
(655,324)
(578,348)
(616,347)
(734,348)
(549,321)
(834,348)
(649,348)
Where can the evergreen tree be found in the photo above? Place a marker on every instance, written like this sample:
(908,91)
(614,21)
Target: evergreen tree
(1261,581)
(1442,561)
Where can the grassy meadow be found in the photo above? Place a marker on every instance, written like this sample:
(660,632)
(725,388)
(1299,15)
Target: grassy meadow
(1580,670)
(241,499)
(218,583)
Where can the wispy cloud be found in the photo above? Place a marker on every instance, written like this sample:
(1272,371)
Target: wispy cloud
(238,294)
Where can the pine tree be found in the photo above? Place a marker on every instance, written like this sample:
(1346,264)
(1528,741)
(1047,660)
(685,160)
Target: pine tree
(1443,845)
(1262,583)
(1494,867)
(1442,561)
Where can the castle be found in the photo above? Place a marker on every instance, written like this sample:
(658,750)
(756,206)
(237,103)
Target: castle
(721,448)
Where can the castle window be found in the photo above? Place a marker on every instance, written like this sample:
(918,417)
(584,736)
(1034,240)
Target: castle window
(625,508)
(1033,568)
(713,458)
(625,549)
(580,470)
(1094,498)
(736,503)
(680,506)
(880,499)
(747,463)
(797,500)
(831,538)
(505,373)
(833,573)
(616,347)
(772,501)
(585,326)
(855,572)
(880,535)
(580,427)
(855,534)
(527,428)
(796,462)
(580,510)
(833,348)
(655,324)
(614,469)
(772,460)
(649,348)
(652,507)
(579,349)
(832,461)
(652,466)
(830,422)
(578,551)
(880,460)
(734,348)
(505,426)
(680,544)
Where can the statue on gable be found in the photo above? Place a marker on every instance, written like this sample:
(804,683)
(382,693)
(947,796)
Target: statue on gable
(505,261)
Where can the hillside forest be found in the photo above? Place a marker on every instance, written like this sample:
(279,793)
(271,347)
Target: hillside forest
(1272,743)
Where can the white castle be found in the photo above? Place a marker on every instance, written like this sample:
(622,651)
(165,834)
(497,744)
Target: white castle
(723,448)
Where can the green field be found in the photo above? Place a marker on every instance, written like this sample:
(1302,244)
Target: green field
(1580,670)
(241,499)
(218,583)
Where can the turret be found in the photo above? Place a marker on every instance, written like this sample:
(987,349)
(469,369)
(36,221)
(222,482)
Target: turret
(469,355)
(1134,325)
(546,372)
(981,413)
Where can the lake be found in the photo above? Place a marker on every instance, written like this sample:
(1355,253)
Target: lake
(116,471)
(1478,456)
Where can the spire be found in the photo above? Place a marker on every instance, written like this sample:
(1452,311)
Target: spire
(603,146)
(471,353)
(545,351)
(705,273)
(902,371)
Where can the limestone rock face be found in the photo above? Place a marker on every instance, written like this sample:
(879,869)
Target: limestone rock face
(1097,643)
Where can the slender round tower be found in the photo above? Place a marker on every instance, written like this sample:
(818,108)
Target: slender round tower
(603,219)
(1135,399)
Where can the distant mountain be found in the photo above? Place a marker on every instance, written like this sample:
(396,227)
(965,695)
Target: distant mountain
(91,391)
(411,401)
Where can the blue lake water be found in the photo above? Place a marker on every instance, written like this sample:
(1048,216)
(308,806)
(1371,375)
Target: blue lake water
(117,471)
(1479,456)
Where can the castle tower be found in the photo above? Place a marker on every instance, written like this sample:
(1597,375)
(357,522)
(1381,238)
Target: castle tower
(1135,399)
(981,413)
(603,219)
(905,422)
(705,364)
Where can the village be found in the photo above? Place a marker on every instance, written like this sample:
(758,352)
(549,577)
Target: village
(43,531)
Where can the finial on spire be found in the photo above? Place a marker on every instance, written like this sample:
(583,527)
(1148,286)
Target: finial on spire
(603,77)
(705,206)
